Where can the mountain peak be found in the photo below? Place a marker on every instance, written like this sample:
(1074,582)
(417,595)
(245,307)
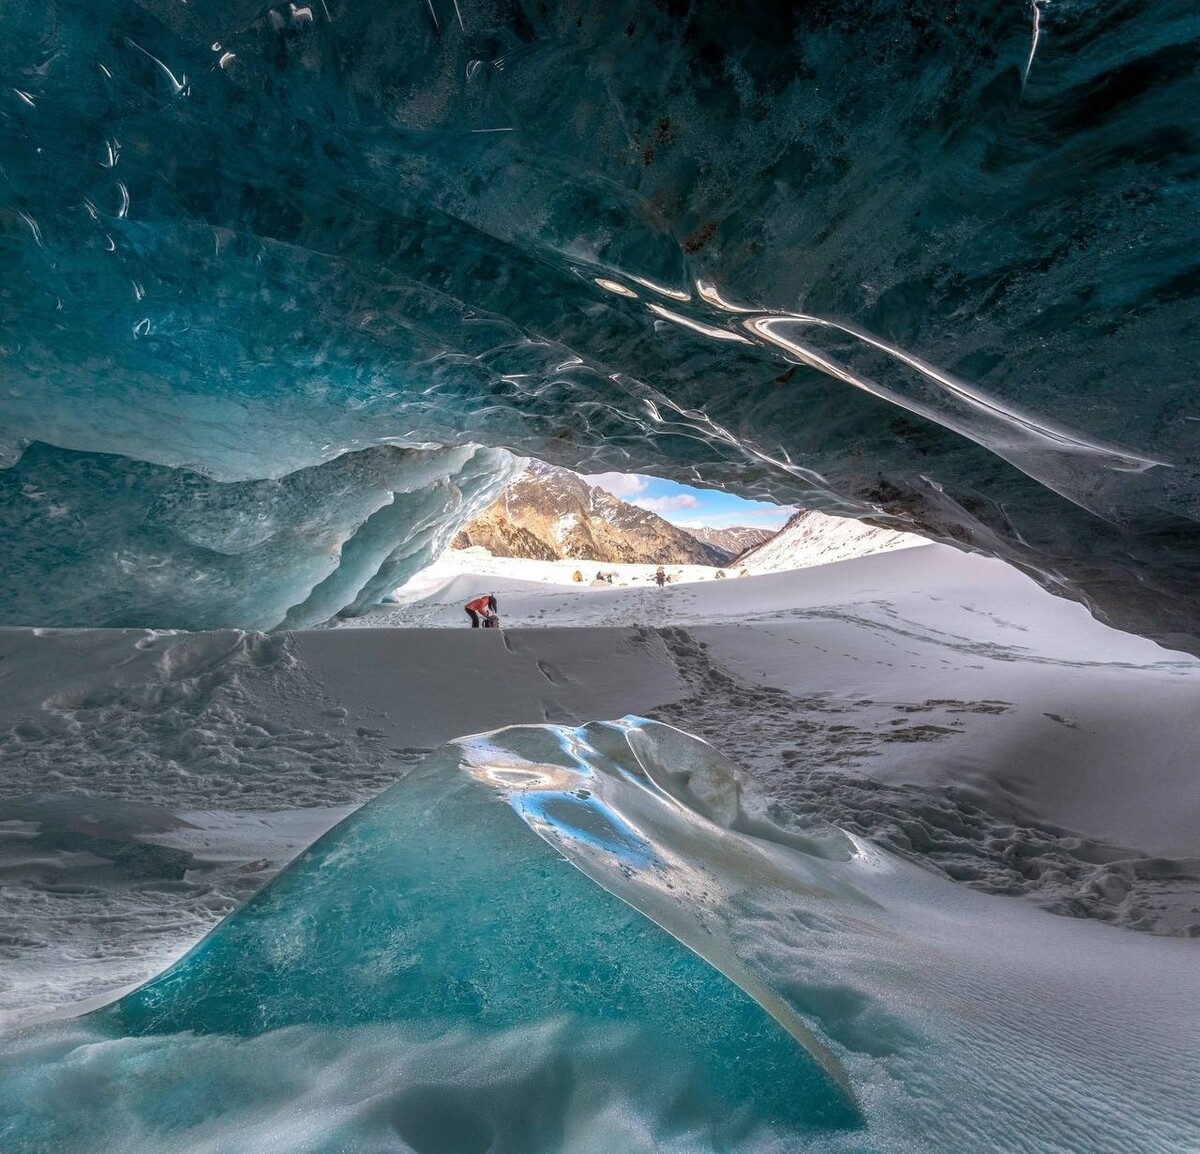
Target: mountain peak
(549,513)
(733,540)
(814,538)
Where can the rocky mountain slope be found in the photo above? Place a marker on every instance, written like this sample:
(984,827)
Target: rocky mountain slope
(734,540)
(550,514)
(813,538)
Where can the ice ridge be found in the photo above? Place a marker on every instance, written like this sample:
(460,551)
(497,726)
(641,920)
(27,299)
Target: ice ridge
(602,939)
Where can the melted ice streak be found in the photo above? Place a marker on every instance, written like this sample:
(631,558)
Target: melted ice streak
(774,329)
(950,402)
(1058,457)
(1033,44)
(631,803)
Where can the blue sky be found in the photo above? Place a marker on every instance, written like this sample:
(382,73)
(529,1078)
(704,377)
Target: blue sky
(683,505)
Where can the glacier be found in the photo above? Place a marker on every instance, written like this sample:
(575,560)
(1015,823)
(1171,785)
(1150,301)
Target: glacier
(604,938)
(931,265)
(115,542)
(428,923)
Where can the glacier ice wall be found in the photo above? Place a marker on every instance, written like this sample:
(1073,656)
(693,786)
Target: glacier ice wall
(929,263)
(95,539)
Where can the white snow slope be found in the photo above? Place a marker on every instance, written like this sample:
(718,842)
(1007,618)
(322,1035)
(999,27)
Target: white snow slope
(814,538)
(936,702)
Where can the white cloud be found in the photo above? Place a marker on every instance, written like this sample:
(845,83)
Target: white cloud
(685,509)
(668,504)
(619,484)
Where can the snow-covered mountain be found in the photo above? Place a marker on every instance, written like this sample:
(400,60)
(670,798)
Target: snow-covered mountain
(735,540)
(813,538)
(550,514)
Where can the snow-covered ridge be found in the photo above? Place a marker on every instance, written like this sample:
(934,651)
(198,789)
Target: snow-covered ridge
(814,538)
(552,514)
(734,539)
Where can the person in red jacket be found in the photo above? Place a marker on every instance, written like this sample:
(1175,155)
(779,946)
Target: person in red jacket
(481,608)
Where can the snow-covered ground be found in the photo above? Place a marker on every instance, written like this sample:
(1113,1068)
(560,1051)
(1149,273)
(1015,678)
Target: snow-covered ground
(978,721)
(478,562)
(807,541)
(937,702)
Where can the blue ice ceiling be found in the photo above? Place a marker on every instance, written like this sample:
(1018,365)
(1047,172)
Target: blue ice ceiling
(893,260)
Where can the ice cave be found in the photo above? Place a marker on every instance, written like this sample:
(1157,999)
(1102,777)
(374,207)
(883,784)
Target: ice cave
(321,320)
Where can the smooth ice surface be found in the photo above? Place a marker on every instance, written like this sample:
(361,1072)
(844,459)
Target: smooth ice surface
(432,976)
(922,989)
(931,265)
(432,919)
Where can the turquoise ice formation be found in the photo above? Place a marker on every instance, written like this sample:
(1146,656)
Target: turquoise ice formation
(431,914)
(929,263)
(603,941)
